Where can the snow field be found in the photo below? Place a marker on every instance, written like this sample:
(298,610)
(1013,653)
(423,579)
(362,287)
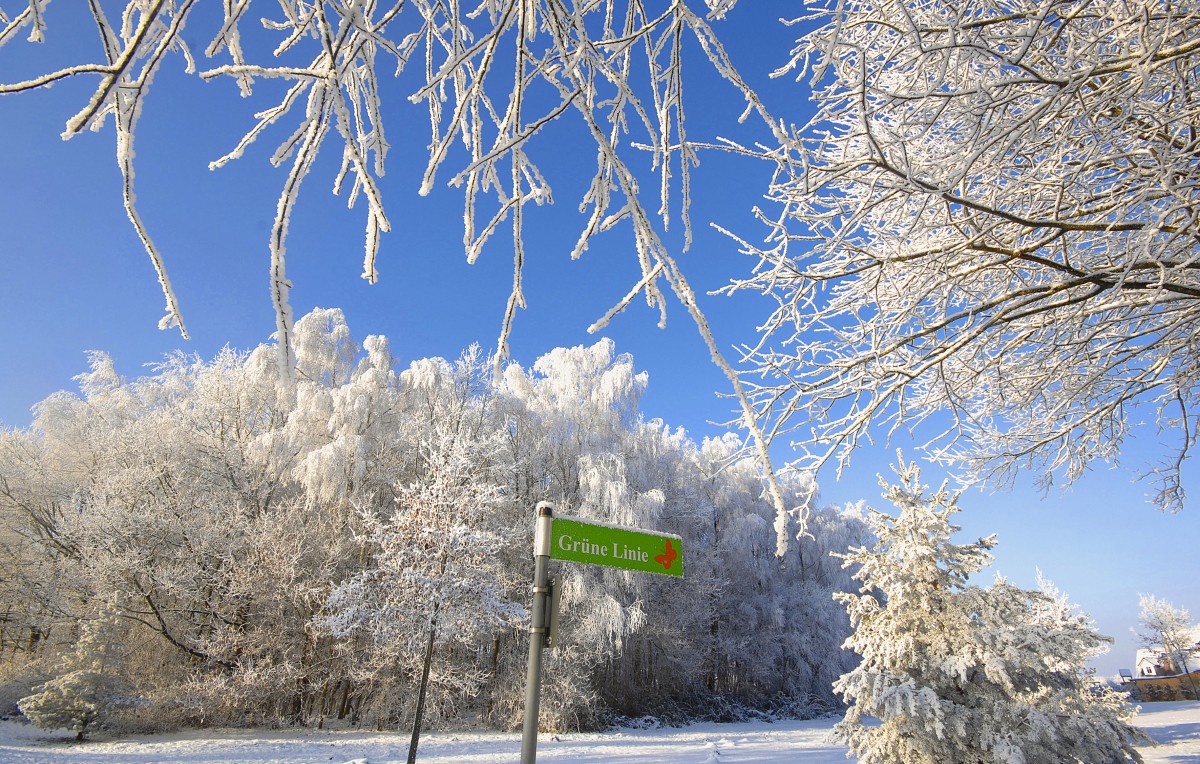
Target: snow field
(1175,726)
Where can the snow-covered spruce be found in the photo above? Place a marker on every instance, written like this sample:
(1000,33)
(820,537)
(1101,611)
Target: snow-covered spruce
(90,689)
(962,674)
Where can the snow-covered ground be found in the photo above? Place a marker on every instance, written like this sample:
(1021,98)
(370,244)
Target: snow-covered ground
(1176,727)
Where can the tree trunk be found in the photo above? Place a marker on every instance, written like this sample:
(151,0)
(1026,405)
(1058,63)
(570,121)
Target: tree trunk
(344,708)
(416,730)
(1187,673)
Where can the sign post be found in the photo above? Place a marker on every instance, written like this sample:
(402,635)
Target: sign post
(537,630)
(592,543)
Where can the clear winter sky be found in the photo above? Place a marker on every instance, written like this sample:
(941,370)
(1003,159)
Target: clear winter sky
(74,277)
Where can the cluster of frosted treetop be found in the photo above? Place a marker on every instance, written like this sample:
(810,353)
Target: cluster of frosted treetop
(248,551)
(985,233)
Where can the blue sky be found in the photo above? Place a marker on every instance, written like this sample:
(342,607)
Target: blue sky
(73,277)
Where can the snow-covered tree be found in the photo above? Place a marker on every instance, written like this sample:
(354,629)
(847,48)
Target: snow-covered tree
(438,577)
(960,673)
(198,500)
(31,494)
(91,688)
(733,634)
(1170,631)
(990,226)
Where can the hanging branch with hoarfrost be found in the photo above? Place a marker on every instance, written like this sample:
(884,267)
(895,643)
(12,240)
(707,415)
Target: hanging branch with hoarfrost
(148,31)
(994,239)
(494,73)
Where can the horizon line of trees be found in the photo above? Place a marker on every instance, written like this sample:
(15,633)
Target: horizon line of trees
(244,551)
(210,545)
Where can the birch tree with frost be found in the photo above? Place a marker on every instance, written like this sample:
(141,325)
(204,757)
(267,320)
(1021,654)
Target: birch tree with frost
(438,576)
(1170,632)
(988,234)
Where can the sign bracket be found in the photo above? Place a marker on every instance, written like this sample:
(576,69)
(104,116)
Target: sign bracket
(552,621)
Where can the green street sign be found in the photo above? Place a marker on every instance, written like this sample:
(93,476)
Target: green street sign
(595,543)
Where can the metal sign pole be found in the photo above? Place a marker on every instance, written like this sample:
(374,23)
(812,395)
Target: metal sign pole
(537,630)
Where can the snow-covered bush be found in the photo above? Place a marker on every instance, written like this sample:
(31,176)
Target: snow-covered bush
(959,673)
(79,701)
(91,691)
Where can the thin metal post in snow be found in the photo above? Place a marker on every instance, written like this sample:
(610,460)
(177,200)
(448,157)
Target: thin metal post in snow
(537,630)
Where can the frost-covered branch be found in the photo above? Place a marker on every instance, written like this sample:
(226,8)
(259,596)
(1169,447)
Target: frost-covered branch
(32,17)
(992,238)
(132,57)
(591,54)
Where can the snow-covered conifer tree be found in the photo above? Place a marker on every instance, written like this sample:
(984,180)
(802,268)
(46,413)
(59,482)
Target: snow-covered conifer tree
(91,688)
(959,673)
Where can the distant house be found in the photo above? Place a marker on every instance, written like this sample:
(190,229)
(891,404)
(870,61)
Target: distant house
(1155,676)
(1146,664)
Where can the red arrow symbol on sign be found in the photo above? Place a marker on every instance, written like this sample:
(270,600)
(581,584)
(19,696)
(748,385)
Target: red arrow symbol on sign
(667,558)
